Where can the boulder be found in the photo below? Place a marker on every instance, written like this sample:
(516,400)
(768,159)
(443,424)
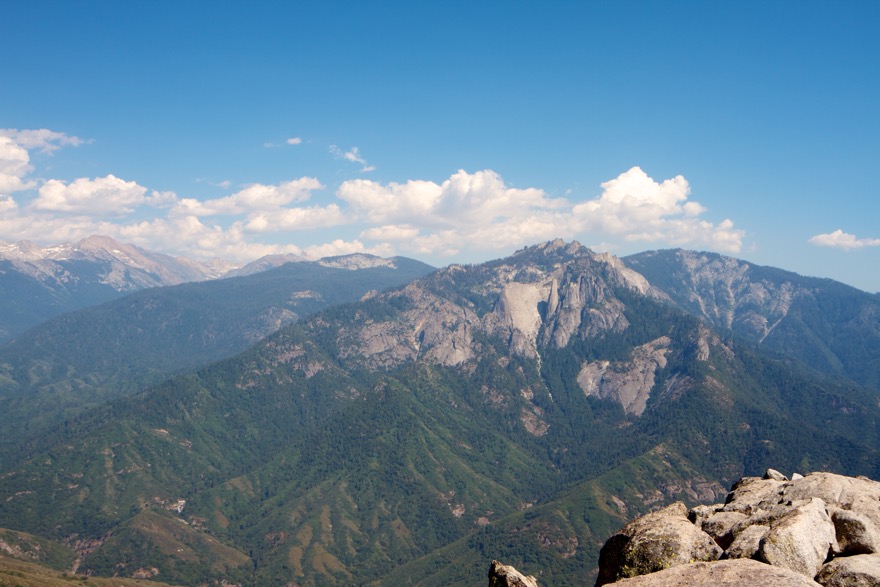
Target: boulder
(725,573)
(785,527)
(720,526)
(701,512)
(857,494)
(656,541)
(775,475)
(751,494)
(856,533)
(800,540)
(862,570)
(747,542)
(501,575)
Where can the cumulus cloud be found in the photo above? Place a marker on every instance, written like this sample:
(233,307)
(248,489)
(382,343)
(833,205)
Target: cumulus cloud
(45,140)
(256,197)
(843,240)
(463,199)
(479,212)
(471,214)
(391,232)
(15,163)
(161,199)
(7,204)
(102,195)
(634,207)
(353,155)
(296,219)
(467,211)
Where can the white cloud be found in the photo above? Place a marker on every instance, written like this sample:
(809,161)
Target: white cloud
(634,207)
(473,212)
(296,219)
(161,199)
(468,211)
(843,240)
(7,205)
(46,140)
(413,201)
(15,163)
(353,155)
(391,232)
(256,197)
(102,195)
(290,141)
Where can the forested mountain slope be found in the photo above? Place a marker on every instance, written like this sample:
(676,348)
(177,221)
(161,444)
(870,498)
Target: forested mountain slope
(85,357)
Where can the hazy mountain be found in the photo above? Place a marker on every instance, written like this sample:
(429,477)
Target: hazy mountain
(88,356)
(823,323)
(264,263)
(520,409)
(37,283)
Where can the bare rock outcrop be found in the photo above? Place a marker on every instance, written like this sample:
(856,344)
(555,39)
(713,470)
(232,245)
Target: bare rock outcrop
(724,573)
(820,528)
(801,540)
(862,570)
(627,382)
(654,542)
(501,575)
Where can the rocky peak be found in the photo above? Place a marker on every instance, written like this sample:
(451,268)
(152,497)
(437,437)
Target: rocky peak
(356,261)
(541,296)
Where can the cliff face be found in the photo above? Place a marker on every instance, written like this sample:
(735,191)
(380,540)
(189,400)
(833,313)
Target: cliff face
(544,296)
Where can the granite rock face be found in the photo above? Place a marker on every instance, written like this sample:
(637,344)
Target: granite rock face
(818,529)
(657,541)
(501,575)
(725,573)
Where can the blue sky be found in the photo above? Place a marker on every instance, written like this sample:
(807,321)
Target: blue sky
(447,131)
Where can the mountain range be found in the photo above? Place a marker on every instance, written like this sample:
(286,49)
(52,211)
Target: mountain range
(37,282)
(82,358)
(40,282)
(520,409)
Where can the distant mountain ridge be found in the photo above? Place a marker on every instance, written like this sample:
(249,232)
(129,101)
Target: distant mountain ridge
(39,282)
(94,354)
(827,325)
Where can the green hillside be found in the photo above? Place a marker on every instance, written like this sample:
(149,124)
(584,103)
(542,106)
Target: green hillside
(84,358)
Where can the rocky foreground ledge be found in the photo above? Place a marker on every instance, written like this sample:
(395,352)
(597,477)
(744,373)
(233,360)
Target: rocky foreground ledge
(819,529)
